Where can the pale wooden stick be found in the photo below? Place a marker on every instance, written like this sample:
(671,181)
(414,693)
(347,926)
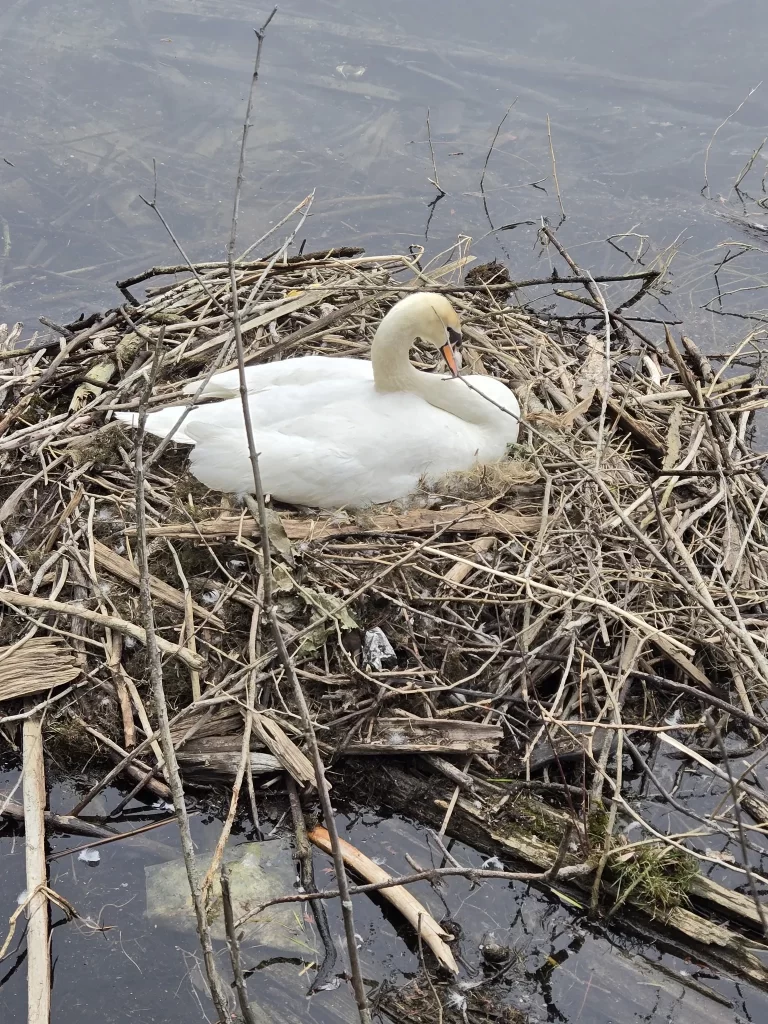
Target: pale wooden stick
(111,621)
(38,957)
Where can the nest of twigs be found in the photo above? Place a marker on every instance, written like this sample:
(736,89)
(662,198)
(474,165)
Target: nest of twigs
(520,617)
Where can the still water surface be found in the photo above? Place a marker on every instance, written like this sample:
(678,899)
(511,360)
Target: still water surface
(93,93)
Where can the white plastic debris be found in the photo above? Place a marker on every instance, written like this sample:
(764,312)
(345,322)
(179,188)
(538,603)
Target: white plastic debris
(351,70)
(492,864)
(22,897)
(89,856)
(377,649)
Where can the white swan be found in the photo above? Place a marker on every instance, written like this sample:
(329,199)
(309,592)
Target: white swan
(332,432)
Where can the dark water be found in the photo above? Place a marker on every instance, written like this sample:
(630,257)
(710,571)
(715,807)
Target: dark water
(93,92)
(137,970)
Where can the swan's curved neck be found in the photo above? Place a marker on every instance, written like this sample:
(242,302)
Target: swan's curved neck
(393,370)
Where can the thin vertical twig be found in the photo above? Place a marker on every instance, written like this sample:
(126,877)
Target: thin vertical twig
(304,858)
(260,513)
(562,852)
(433,180)
(733,113)
(427,975)
(233,946)
(606,383)
(218,995)
(487,161)
(554,171)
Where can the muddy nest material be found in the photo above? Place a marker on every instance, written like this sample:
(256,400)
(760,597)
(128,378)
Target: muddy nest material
(504,623)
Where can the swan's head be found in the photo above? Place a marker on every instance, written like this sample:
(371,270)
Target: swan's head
(431,317)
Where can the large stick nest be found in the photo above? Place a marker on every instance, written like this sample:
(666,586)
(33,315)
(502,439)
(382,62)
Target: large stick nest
(616,560)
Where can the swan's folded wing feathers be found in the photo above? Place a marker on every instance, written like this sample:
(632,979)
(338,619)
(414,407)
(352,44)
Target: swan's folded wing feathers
(326,464)
(301,371)
(160,423)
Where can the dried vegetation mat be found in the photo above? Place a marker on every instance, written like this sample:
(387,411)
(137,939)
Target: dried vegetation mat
(519,651)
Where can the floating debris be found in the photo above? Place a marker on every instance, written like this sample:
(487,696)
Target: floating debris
(351,70)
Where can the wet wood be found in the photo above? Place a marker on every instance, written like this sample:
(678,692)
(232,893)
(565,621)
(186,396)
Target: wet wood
(725,946)
(698,936)
(414,912)
(65,823)
(218,762)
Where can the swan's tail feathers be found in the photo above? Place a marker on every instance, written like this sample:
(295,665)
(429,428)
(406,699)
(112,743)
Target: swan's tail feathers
(221,385)
(160,423)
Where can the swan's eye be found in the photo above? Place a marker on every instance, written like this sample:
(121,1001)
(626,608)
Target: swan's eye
(454,338)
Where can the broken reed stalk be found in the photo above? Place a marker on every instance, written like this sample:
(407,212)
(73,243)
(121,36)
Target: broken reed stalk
(233,945)
(269,605)
(38,952)
(218,995)
(736,798)
(554,170)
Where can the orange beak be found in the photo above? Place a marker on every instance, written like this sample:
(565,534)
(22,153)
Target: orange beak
(448,355)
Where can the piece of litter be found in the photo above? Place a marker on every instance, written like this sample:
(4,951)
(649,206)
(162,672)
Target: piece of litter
(89,856)
(492,864)
(329,985)
(350,70)
(377,649)
(22,897)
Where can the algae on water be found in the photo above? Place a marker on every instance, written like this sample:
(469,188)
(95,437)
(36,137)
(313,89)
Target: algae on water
(259,872)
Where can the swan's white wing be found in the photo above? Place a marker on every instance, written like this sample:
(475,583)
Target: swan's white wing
(304,370)
(270,407)
(160,423)
(353,454)
(299,469)
(506,423)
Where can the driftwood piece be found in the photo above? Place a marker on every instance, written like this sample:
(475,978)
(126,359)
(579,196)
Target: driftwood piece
(273,737)
(59,822)
(702,936)
(325,527)
(414,912)
(37,664)
(723,946)
(127,571)
(38,955)
(220,755)
(428,736)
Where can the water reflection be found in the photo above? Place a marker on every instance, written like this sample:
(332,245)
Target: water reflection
(633,93)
